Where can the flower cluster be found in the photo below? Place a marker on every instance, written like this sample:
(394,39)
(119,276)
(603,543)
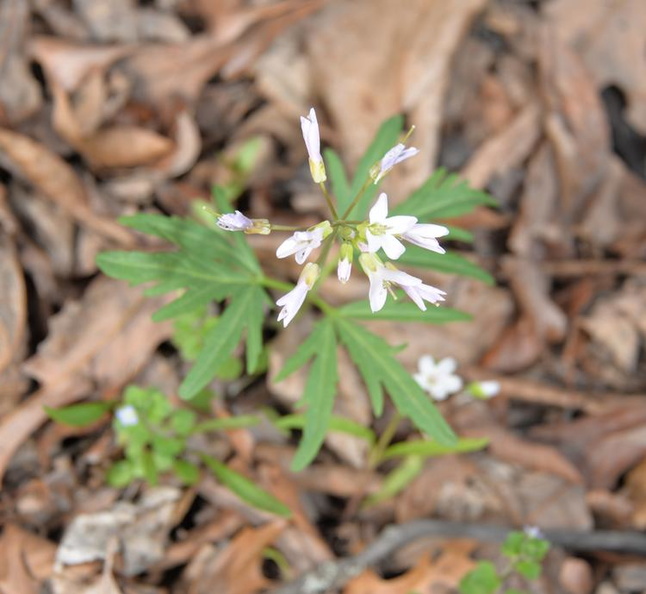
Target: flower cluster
(380,232)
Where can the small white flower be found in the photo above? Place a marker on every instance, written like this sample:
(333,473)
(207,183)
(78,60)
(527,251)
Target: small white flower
(382,278)
(344,267)
(533,532)
(302,243)
(425,236)
(421,293)
(312,137)
(381,231)
(438,379)
(127,415)
(292,301)
(235,222)
(395,155)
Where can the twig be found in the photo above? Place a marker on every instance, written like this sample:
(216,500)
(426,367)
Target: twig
(334,574)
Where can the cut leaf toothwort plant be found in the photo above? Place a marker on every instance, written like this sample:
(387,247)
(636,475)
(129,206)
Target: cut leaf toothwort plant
(214,263)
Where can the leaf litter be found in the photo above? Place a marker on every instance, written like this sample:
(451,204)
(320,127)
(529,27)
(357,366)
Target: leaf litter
(110,112)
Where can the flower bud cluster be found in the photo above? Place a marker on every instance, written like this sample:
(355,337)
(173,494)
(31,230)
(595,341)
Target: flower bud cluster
(379,232)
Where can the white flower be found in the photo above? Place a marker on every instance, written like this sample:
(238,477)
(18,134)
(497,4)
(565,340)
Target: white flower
(382,278)
(395,155)
(344,267)
(438,379)
(302,243)
(311,135)
(484,390)
(381,231)
(234,222)
(533,532)
(127,415)
(425,236)
(292,301)
(238,222)
(421,293)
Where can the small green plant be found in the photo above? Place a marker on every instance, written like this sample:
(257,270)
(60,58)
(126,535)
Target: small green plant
(158,438)
(524,552)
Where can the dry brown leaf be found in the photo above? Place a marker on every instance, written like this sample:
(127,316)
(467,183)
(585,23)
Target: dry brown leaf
(57,180)
(426,575)
(345,43)
(235,568)
(106,337)
(114,21)
(506,150)
(24,559)
(610,37)
(13,308)
(20,96)
(519,346)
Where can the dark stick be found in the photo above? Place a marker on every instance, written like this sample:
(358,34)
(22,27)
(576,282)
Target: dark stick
(334,574)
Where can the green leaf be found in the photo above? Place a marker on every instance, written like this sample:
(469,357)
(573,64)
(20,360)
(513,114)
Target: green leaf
(320,390)
(239,422)
(120,474)
(245,489)
(483,579)
(459,234)
(386,137)
(189,302)
(188,473)
(397,480)
(149,468)
(443,195)
(513,544)
(535,548)
(374,358)
(79,415)
(254,324)
(182,421)
(402,311)
(338,179)
(222,340)
(338,424)
(528,569)
(450,263)
(428,448)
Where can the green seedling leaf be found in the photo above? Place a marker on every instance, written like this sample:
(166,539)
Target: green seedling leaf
(188,473)
(79,415)
(320,390)
(403,311)
(397,480)
(426,448)
(483,579)
(245,489)
(374,358)
(338,424)
(120,474)
(222,340)
(443,195)
(528,569)
(513,544)
(450,262)
(240,422)
(535,549)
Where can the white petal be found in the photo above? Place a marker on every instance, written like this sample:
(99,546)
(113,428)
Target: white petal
(379,211)
(400,224)
(288,247)
(447,366)
(392,246)
(413,293)
(374,241)
(452,384)
(377,294)
(291,303)
(401,278)
(426,365)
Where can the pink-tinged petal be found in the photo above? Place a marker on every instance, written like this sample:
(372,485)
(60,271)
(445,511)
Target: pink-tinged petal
(344,268)
(392,246)
(413,293)
(379,211)
(400,224)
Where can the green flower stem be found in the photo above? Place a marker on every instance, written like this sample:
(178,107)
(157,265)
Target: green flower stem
(384,441)
(365,186)
(284,228)
(328,199)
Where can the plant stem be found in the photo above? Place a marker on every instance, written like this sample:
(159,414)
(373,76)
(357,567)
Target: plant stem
(328,199)
(384,441)
(354,202)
